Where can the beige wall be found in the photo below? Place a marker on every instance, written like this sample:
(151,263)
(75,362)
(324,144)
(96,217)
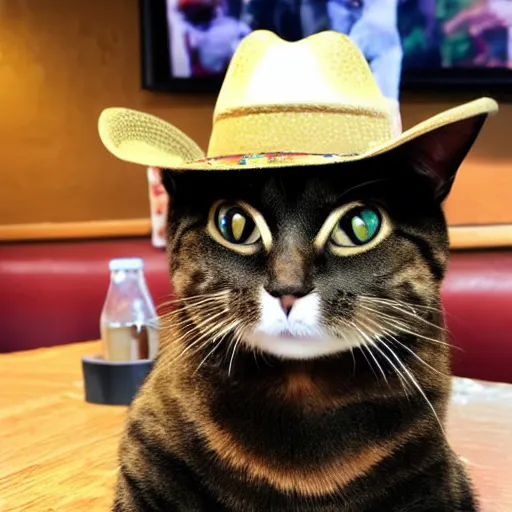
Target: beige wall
(62,62)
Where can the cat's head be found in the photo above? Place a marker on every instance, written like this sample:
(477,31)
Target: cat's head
(302,263)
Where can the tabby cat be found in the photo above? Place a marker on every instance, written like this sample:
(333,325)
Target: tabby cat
(305,366)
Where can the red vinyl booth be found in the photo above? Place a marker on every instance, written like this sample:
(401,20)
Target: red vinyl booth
(51,293)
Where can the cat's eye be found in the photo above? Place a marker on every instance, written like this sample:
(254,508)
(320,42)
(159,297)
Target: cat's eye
(236,225)
(239,227)
(352,229)
(356,227)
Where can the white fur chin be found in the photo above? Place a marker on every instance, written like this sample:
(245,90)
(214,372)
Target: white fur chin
(298,336)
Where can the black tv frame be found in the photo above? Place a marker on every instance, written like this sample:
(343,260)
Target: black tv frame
(154,51)
(156,77)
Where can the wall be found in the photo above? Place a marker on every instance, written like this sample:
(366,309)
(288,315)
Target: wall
(62,62)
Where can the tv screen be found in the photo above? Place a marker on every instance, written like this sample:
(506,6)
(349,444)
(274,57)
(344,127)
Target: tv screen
(187,44)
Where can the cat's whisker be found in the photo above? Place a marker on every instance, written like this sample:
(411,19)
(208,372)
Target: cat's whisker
(255,357)
(369,342)
(211,305)
(353,360)
(210,329)
(261,353)
(179,310)
(192,322)
(416,356)
(192,298)
(373,343)
(213,334)
(181,324)
(201,305)
(182,321)
(235,346)
(413,381)
(404,381)
(231,344)
(408,309)
(390,334)
(204,334)
(196,346)
(363,344)
(402,327)
(207,327)
(363,347)
(411,306)
(204,310)
(232,326)
(189,297)
(210,353)
(403,311)
(410,314)
(209,315)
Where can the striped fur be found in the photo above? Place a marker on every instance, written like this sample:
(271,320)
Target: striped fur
(217,427)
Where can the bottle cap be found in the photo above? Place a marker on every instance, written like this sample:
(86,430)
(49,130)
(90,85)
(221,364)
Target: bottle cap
(126,264)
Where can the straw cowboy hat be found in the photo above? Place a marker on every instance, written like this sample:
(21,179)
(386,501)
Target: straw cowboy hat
(311,102)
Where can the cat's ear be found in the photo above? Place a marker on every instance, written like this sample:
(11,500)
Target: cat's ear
(437,155)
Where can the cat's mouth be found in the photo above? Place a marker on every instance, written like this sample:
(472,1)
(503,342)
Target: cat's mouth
(286,333)
(288,345)
(299,335)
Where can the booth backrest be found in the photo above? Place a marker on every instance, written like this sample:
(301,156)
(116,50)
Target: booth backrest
(52,293)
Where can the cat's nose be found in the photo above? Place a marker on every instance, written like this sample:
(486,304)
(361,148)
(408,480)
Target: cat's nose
(287,302)
(288,296)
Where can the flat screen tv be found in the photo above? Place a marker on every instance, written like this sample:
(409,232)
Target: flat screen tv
(187,44)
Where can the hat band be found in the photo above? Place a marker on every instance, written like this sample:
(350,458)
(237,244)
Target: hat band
(301,108)
(318,131)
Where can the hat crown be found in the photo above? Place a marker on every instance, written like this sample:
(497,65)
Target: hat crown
(324,68)
(316,95)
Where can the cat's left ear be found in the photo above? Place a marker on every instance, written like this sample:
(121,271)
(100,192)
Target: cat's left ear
(437,155)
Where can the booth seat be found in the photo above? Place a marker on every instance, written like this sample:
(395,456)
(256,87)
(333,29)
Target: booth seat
(51,293)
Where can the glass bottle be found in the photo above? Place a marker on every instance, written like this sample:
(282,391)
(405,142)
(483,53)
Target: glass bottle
(128,323)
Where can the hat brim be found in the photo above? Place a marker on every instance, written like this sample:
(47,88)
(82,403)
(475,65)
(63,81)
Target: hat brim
(146,140)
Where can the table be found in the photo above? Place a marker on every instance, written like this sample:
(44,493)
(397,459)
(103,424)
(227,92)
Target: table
(58,453)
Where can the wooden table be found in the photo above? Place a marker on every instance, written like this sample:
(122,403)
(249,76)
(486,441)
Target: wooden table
(58,453)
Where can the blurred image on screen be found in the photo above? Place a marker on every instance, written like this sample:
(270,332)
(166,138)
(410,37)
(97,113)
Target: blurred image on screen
(456,33)
(422,34)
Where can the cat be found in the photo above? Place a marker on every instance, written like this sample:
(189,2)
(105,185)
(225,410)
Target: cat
(305,365)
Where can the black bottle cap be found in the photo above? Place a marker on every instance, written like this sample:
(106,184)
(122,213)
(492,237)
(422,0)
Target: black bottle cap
(113,382)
